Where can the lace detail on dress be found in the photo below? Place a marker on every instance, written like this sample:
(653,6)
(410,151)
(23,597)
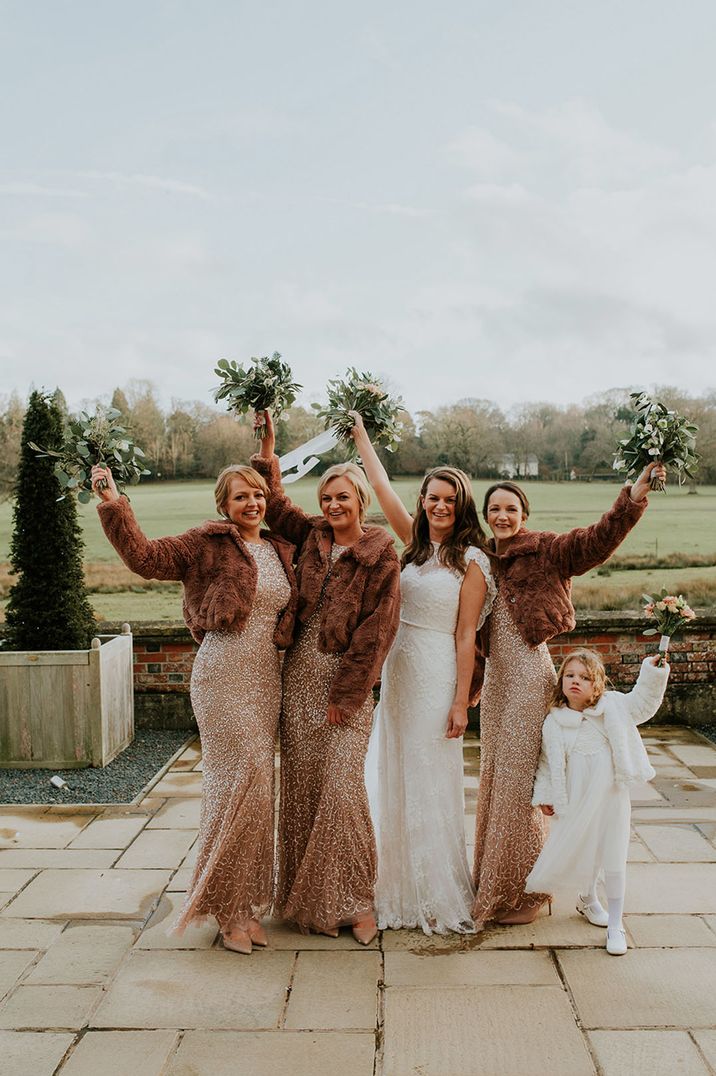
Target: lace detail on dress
(483,562)
(415,774)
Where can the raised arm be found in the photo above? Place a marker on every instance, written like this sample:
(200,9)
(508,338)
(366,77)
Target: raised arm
(472,599)
(587,547)
(394,510)
(282,515)
(159,558)
(647,695)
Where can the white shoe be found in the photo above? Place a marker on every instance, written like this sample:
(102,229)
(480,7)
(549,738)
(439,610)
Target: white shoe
(616,942)
(593,912)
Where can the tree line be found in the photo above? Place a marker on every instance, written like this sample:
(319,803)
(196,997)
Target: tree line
(195,440)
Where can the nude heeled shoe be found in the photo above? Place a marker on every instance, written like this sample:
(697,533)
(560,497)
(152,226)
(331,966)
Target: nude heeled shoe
(365,929)
(238,941)
(257,933)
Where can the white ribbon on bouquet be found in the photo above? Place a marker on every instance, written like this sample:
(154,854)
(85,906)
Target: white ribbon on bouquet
(664,643)
(305,457)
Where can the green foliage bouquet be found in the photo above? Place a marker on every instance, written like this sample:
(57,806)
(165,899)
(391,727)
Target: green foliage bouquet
(268,385)
(94,439)
(658,435)
(671,612)
(364,393)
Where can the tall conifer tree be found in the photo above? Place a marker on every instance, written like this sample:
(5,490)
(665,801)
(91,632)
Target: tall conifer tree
(48,608)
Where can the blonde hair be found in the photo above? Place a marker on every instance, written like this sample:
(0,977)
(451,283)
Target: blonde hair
(223,483)
(595,668)
(356,478)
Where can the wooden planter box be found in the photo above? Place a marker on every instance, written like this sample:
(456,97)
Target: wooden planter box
(67,708)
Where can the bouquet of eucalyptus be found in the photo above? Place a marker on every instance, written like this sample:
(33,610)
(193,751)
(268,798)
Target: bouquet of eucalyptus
(657,436)
(91,439)
(671,612)
(268,385)
(364,393)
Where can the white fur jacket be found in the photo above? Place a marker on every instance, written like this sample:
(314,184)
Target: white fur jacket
(620,714)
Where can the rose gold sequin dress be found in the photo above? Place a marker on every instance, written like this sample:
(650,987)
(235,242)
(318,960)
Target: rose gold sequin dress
(236,697)
(509,831)
(327,856)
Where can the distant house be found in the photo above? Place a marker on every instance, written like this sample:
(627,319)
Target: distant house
(508,466)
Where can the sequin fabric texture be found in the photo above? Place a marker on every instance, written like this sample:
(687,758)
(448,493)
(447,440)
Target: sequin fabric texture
(327,855)
(509,831)
(236,697)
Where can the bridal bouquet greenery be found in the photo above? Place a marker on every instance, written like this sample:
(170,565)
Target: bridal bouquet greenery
(364,393)
(91,439)
(671,612)
(658,435)
(267,385)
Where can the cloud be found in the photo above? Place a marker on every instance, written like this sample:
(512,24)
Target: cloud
(138,179)
(30,189)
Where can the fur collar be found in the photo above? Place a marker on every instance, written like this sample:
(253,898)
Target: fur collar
(523,542)
(568,719)
(369,548)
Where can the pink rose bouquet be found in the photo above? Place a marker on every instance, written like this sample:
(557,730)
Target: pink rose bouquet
(671,612)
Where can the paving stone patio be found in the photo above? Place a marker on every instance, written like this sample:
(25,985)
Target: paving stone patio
(90,982)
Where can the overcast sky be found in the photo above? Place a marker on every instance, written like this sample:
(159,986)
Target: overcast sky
(511,201)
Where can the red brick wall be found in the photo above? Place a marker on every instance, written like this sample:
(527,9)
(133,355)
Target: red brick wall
(163,657)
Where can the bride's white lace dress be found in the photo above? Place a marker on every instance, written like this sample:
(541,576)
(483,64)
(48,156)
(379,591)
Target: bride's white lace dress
(414,775)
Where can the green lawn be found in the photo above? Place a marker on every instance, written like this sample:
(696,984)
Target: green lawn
(676,522)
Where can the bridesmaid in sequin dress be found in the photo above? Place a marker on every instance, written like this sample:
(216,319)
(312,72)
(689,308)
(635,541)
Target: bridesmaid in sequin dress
(348,576)
(235,688)
(533,571)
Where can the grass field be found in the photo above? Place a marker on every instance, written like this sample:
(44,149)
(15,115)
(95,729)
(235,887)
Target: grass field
(676,524)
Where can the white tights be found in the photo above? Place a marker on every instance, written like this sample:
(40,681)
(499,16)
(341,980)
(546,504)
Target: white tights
(615,885)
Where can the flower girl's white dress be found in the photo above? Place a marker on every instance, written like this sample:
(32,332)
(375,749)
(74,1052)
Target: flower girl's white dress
(414,775)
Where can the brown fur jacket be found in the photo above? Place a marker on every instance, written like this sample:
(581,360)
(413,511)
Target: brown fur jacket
(361,603)
(211,560)
(535,574)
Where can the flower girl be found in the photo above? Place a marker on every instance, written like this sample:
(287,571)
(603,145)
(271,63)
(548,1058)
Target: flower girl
(591,753)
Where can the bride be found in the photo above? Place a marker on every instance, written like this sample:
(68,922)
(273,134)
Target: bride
(414,768)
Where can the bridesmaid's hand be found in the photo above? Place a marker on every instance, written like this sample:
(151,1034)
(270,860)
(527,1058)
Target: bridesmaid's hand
(100,474)
(335,715)
(547,809)
(457,721)
(264,422)
(641,488)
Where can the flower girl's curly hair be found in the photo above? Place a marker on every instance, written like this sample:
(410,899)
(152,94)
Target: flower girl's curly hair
(466,532)
(597,674)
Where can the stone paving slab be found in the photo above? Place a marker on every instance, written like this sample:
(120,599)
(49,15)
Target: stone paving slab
(55,1007)
(706,1042)
(178,784)
(269,1053)
(20,830)
(213,989)
(57,858)
(121,1053)
(12,880)
(12,964)
(163,848)
(482,1031)
(177,814)
(28,933)
(156,933)
(656,1053)
(29,1053)
(670,887)
(669,931)
(108,832)
(647,988)
(334,990)
(492,968)
(84,953)
(86,894)
(677,844)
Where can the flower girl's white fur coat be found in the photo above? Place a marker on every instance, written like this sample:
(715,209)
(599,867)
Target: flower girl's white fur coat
(621,714)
